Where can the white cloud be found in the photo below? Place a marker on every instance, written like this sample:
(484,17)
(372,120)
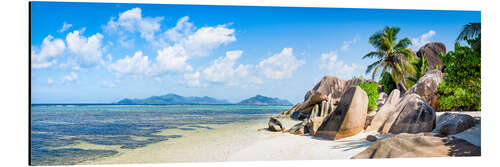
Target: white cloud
(176,45)
(71,77)
(330,63)
(65,27)
(136,65)
(281,65)
(50,81)
(205,39)
(50,48)
(132,21)
(192,79)
(88,51)
(171,59)
(222,70)
(200,43)
(347,44)
(423,39)
(182,29)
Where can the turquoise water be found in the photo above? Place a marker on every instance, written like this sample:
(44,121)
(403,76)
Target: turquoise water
(55,126)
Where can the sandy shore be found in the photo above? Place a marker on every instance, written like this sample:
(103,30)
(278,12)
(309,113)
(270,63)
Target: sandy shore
(243,142)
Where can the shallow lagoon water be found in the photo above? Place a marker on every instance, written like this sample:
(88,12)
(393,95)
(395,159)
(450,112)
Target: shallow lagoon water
(54,128)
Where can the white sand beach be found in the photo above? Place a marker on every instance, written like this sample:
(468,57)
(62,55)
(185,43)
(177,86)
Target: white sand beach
(244,142)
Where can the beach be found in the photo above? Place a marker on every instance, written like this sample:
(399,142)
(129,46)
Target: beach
(248,141)
(240,142)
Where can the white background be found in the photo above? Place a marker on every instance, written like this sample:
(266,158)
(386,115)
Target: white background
(14,80)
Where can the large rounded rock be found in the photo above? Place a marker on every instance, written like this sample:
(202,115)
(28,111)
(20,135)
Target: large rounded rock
(412,115)
(385,111)
(318,98)
(426,86)
(453,123)
(292,112)
(305,113)
(382,97)
(313,124)
(298,129)
(349,117)
(275,125)
(315,98)
(329,89)
(431,51)
(331,85)
(419,145)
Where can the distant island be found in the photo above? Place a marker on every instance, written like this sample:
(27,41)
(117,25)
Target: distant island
(263,100)
(171,99)
(174,99)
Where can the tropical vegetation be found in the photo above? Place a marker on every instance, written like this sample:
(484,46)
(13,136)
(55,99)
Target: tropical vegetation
(371,89)
(461,88)
(387,82)
(392,55)
(420,67)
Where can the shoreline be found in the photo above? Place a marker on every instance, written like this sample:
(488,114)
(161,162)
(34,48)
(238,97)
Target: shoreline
(199,145)
(240,142)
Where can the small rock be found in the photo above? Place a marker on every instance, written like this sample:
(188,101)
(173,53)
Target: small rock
(275,125)
(371,138)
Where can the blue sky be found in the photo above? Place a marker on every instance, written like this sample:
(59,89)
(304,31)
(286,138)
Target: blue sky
(100,52)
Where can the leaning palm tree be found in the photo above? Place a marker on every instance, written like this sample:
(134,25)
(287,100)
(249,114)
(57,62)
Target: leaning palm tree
(471,32)
(392,55)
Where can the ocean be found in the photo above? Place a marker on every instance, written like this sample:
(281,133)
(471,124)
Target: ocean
(54,127)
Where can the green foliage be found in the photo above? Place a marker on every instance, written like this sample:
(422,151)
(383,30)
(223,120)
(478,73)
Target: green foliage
(392,55)
(388,83)
(420,66)
(371,89)
(461,88)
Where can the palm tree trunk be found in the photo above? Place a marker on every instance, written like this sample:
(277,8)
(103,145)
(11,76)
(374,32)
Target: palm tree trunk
(403,85)
(401,88)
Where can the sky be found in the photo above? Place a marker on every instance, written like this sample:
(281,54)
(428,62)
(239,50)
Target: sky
(104,52)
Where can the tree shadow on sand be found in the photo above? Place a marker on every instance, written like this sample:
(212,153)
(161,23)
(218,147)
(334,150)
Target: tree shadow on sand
(460,147)
(347,145)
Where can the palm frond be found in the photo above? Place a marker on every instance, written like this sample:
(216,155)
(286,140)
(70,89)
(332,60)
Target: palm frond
(403,43)
(378,54)
(371,66)
(470,31)
(375,71)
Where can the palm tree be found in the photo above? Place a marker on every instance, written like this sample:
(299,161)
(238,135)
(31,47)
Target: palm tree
(471,32)
(392,55)
(420,66)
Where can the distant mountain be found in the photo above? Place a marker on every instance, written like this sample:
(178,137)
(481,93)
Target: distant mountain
(263,100)
(173,99)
